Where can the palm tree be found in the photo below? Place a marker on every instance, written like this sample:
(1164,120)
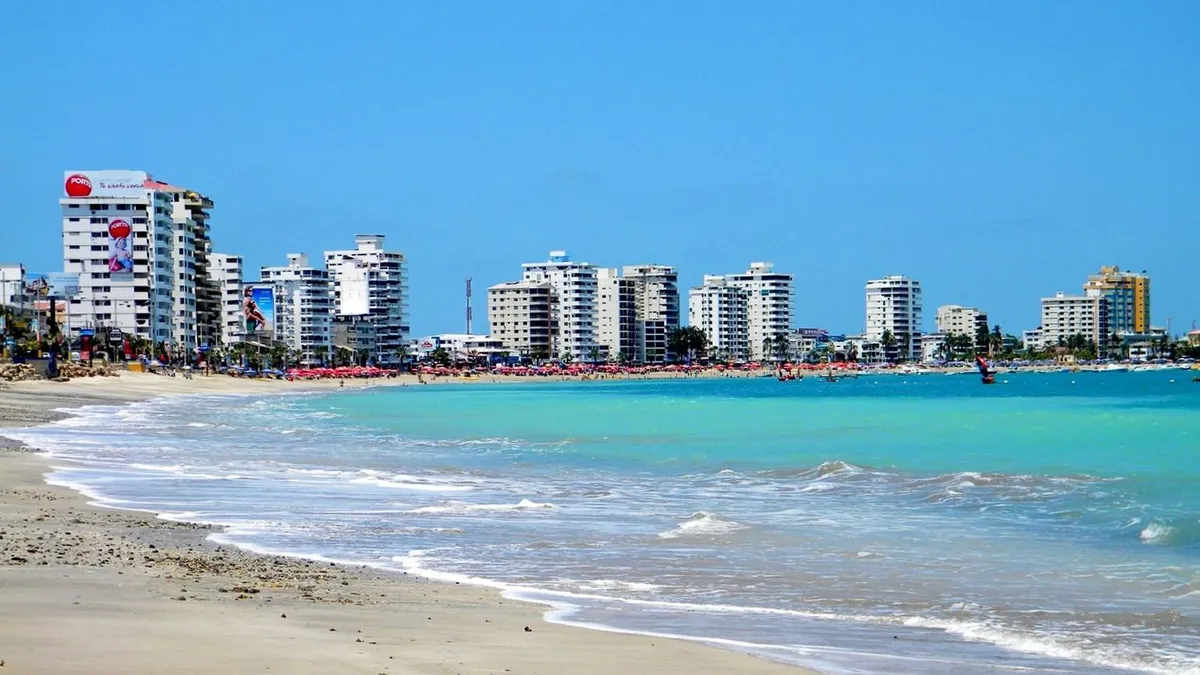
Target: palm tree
(1114,344)
(594,354)
(851,352)
(995,341)
(782,346)
(766,348)
(889,345)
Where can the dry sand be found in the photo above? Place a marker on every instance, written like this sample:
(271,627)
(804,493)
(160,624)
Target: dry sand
(87,590)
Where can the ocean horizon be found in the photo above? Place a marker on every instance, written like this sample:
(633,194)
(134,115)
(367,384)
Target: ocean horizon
(890,524)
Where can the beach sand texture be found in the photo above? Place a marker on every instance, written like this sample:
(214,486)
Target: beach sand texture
(91,590)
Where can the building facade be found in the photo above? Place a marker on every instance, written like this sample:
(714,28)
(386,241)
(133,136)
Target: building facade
(303,308)
(226,272)
(721,310)
(616,315)
(1064,316)
(521,315)
(118,236)
(894,307)
(1128,296)
(195,316)
(770,306)
(1034,339)
(963,321)
(637,310)
(371,282)
(12,284)
(575,288)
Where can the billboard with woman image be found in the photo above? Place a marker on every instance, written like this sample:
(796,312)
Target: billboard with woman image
(258,310)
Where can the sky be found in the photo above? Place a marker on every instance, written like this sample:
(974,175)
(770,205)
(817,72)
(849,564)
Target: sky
(997,152)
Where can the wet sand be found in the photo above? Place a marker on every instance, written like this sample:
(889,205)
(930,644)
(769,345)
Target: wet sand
(87,590)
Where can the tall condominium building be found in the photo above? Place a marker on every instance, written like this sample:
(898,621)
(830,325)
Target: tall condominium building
(616,315)
(770,305)
(194,320)
(721,310)
(303,316)
(521,315)
(637,310)
(1128,295)
(656,305)
(894,306)
(575,287)
(1066,315)
(119,238)
(957,320)
(372,284)
(226,271)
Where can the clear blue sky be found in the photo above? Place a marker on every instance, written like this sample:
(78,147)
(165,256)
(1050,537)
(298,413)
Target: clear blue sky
(999,152)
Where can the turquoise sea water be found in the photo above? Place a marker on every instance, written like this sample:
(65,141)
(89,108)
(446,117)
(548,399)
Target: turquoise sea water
(927,524)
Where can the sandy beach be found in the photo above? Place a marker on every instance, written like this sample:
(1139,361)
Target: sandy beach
(92,590)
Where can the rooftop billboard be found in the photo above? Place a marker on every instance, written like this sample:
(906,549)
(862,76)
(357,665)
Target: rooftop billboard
(108,183)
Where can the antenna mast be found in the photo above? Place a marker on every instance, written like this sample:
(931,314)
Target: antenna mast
(470,317)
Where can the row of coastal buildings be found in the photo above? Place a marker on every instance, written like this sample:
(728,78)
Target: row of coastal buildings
(565,308)
(139,262)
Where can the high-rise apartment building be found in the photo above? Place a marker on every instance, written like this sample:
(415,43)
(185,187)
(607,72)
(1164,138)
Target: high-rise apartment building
(656,309)
(770,305)
(894,307)
(371,283)
(962,321)
(118,236)
(616,315)
(194,314)
(1066,315)
(521,315)
(1128,295)
(303,316)
(637,310)
(721,310)
(226,272)
(575,289)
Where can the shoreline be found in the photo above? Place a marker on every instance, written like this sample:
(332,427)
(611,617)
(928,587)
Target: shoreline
(89,588)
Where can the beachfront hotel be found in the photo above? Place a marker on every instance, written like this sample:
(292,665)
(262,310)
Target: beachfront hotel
(1128,296)
(636,311)
(302,318)
(721,310)
(769,305)
(1066,315)
(521,315)
(894,307)
(574,311)
(226,271)
(118,237)
(962,321)
(370,284)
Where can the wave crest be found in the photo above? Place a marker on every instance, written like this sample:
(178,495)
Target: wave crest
(702,524)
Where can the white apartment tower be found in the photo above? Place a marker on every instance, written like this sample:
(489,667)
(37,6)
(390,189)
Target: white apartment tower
(637,310)
(303,316)
(1066,315)
(656,305)
(521,316)
(226,273)
(372,283)
(958,320)
(720,309)
(616,315)
(769,305)
(894,307)
(575,289)
(194,312)
(119,237)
